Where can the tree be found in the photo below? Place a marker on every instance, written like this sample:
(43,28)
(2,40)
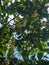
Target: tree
(24,25)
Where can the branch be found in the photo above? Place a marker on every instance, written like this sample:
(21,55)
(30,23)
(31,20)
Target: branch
(4,26)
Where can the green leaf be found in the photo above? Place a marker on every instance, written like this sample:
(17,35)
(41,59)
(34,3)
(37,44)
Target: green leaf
(40,55)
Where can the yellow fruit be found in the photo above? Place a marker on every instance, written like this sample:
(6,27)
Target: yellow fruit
(10,41)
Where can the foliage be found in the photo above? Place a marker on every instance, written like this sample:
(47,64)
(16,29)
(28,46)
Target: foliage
(24,25)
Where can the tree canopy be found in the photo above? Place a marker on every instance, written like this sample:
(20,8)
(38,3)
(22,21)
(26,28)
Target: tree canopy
(24,26)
